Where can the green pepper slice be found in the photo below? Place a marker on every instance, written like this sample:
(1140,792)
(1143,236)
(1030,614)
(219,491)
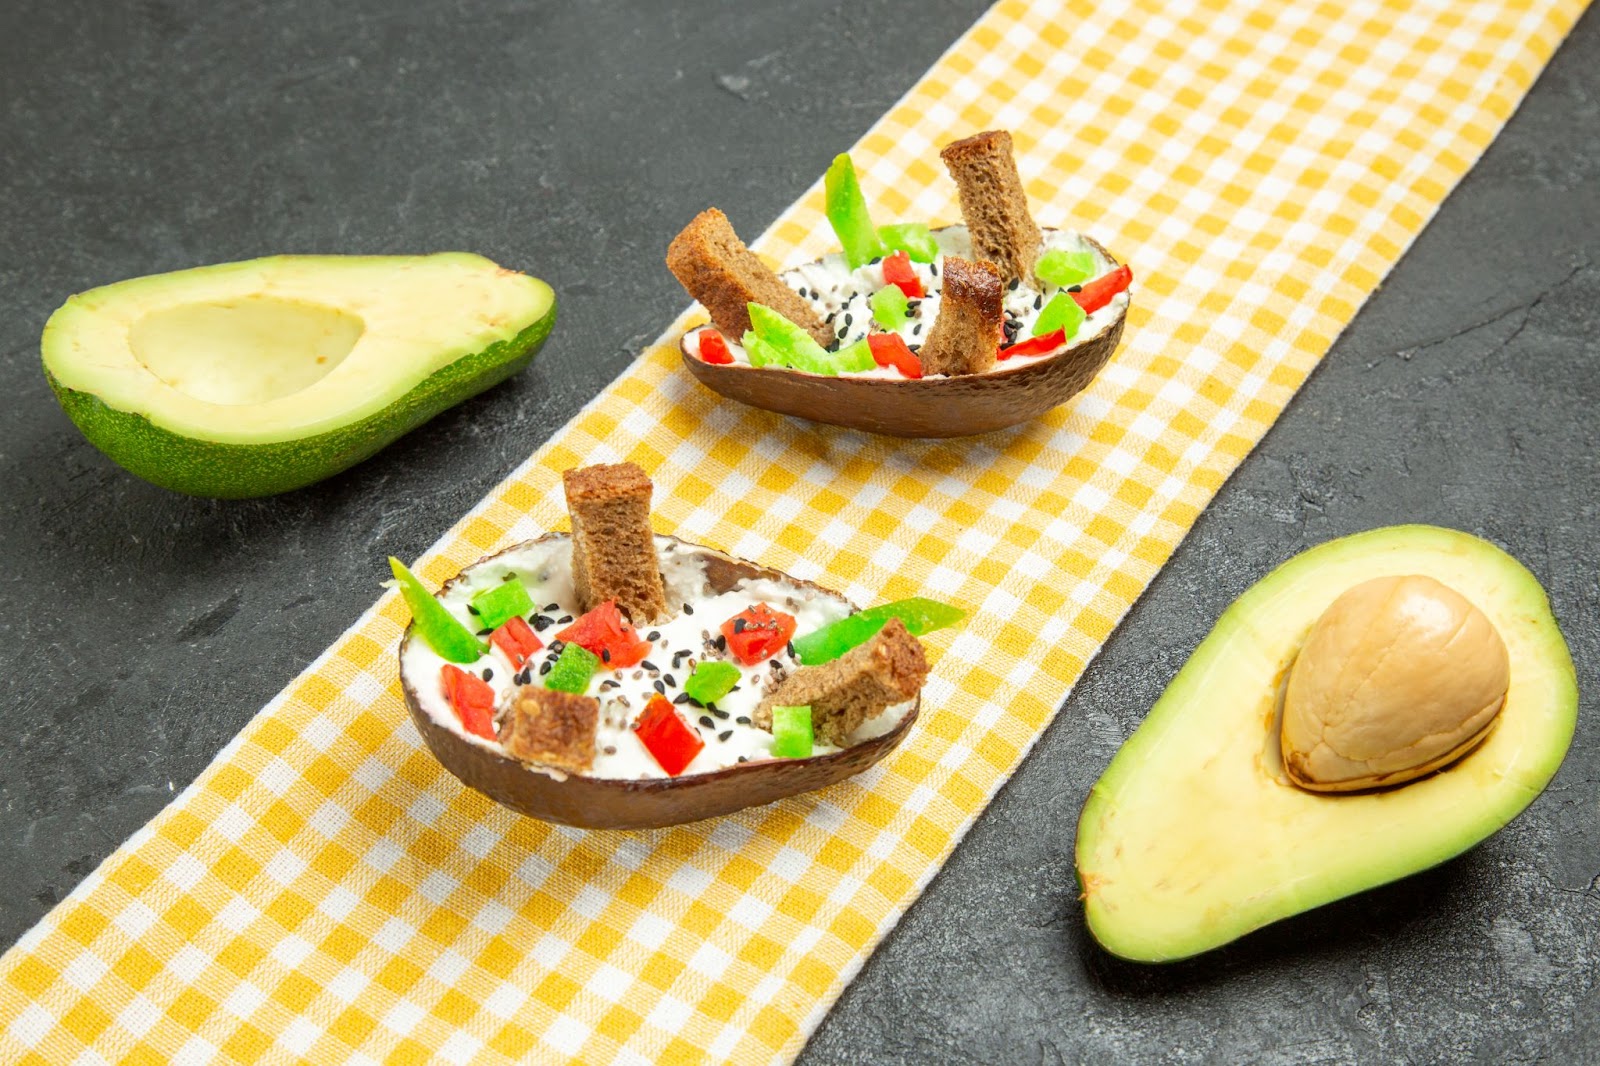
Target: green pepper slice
(711,681)
(847,213)
(792,735)
(498,605)
(890,308)
(912,238)
(918,614)
(572,670)
(793,344)
(857,356)
(1062,268)
(433,622)
(1063,313)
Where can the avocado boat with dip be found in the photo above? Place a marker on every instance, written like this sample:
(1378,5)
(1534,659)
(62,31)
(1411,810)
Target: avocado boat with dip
(618,679)
(908,331)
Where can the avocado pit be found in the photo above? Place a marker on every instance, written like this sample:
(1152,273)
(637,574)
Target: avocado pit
(1399,677)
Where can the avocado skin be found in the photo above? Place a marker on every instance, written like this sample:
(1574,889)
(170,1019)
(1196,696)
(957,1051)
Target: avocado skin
(1152,844)
(241,471)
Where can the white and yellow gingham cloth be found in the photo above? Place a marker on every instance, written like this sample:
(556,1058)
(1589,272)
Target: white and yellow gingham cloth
(325,891)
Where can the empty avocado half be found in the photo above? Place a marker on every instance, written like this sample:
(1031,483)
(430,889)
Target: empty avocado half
(252,378)
(1197,835)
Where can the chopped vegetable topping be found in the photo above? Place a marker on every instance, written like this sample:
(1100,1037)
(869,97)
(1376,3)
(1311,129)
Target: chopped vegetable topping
(472,698)
(1061,268)
(913,238)
(918,614)
(897,271)
(889,349)
(758,632)
(713,348)
(665,736)
(1061,315)
(509,599)
(854,357)
(847,212)
(791,732)
(572,671)
(1036,346)
(794,345)
(1099,292)
(759,351)
(603,632)
(433,622)
(711,681)
(889,307)
(517,639)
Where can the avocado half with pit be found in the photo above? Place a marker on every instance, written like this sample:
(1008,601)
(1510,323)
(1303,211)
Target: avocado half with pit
(253,378)
(1195,835)
(621,803)
(942,406)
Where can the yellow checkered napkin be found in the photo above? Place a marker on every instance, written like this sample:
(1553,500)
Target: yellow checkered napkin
(325,891)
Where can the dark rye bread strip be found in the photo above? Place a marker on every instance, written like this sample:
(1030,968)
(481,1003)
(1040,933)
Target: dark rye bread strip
(710,260)
(994,204)
(971,320)
(861,683)
(613,546)
(551,728)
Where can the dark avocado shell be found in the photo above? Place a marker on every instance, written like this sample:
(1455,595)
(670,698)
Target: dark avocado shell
(606,803)
(957,406)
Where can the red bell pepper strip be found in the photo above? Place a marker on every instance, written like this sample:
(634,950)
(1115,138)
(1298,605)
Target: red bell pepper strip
(890,349)
(663,734)
(1097,293)
(897,271)
(758,633)
(713,348)
(1035,345)
(472,699)
(517,639)
(603,632)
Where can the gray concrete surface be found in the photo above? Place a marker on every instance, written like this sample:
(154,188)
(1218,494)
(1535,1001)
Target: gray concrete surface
(140,630)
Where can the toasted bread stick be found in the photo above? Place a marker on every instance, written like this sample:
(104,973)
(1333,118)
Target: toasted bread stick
(971,320)
(613,546)
(994,204)
(861,683)
(710,261)
(551,728)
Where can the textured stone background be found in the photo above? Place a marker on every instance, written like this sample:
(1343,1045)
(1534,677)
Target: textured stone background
(140,630)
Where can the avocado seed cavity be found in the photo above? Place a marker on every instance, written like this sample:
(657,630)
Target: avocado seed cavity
(1398,677)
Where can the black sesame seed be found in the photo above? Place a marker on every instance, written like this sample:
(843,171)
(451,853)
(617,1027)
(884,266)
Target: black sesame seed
(661,688)
(1074,288)
(484,632)
(1014,283)
(564,619)
(682,697)
(544,667)
(724,735)
(557,647)
(471,609)
(611,749)
(653,636)
(875,260)
(790,649)
(744,758)
(1038,301)
(646,664)
(688,609)
(742,720)
(848,319)
(739,625)
(671,681)
(488,673)
(541,623)
(707,722)
(552,607)
(722,643)
(605,655)
(720,713)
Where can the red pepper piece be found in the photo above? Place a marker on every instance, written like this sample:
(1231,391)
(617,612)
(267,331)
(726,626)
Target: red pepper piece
(713,348)
(517,639)
(1034,345)
(663,734)
(897,271)
(603,632)
(889,349)
(1097,293)
(758,633)
(472,699)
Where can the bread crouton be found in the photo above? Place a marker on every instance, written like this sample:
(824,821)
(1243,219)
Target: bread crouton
(971,319)
(710,261)
(613,546)
(551,728)
(860,684)
(994,204)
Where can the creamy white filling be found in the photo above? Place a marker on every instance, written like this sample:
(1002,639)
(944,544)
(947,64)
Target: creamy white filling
(545,569)
(842,297)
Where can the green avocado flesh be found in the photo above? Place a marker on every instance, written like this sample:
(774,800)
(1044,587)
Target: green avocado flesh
(252,378)
(1194,837)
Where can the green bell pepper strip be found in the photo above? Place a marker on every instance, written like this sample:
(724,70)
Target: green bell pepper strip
(572,670)
(434,623)
(912,238)
(918,614)
(711,681)
(847,212)
(498,605)
(792,343)
(889,308)
(792,736)
(1063,268)
(857,356)
(758,351)
(1063,313)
